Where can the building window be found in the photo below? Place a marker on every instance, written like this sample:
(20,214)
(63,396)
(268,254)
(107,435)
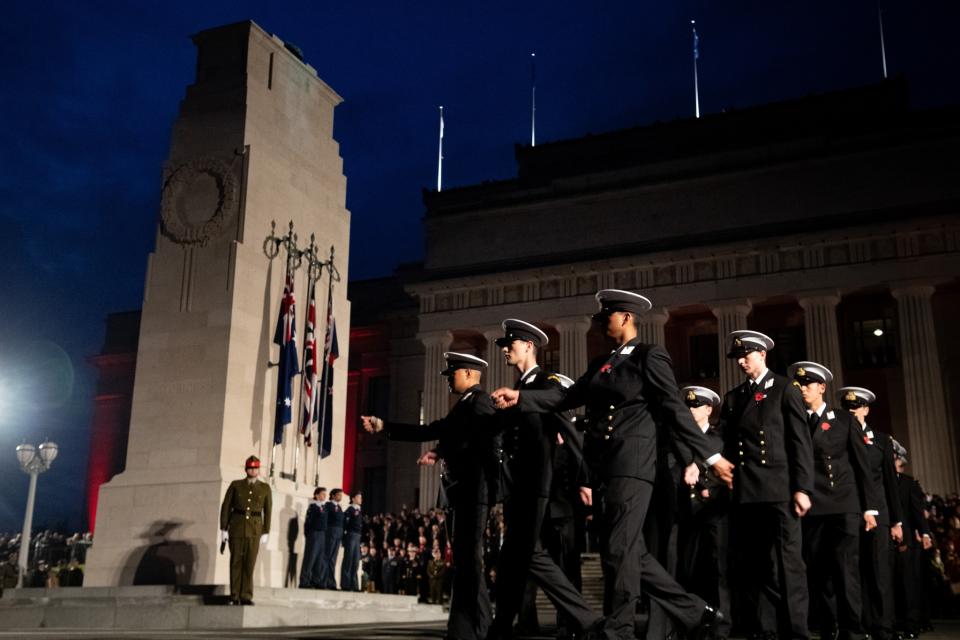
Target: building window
(549,359)
(871,343)
(704,357)
(790,345)
(378,396)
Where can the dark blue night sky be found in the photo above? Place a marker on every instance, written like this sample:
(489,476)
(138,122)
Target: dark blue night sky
(90,92)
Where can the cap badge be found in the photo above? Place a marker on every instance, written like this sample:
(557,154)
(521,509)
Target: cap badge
(801,372)
(850,397)
(691,395)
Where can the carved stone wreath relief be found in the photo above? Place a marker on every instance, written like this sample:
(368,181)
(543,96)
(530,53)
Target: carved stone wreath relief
(199,199)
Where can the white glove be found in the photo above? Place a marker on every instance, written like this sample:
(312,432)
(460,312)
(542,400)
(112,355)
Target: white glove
(264,538)
(224,536)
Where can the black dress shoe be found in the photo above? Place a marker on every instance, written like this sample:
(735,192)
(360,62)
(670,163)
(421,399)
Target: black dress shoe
(233,601)
(708,622)
(247,602)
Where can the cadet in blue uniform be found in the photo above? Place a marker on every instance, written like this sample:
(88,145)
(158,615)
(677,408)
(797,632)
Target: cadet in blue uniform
(467,447)
(703,531)
(334,513)
(529,440)
(245,525)
(764,427)
(313,571)
(352,528)
(845,501)
(876,560)
(622,393)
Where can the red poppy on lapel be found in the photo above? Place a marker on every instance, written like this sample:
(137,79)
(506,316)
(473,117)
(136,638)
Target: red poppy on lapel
(758,396)
(825,426)
(606,368)
(866,440)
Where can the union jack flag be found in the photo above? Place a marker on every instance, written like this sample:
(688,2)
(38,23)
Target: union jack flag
(307,394)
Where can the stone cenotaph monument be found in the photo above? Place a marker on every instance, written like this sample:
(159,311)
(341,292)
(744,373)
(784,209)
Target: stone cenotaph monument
(253,143)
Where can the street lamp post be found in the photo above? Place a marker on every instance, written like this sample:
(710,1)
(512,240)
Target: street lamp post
(32,464)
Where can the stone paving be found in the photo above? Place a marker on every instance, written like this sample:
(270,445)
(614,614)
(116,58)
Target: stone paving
(945,630)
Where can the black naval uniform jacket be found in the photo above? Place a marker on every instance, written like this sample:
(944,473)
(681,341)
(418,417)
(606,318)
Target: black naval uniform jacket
(529,440)
(714,505)
(911,499)
(767,437)
(883,473)
(842,481)
(625,395)
(468,445)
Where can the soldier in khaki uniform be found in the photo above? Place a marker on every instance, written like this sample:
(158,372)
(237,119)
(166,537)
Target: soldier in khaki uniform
(245,524)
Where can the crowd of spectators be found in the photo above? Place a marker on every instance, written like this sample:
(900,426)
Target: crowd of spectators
(55,559)
(409,553)
(942,561)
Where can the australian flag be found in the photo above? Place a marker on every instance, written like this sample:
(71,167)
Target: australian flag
(308,394)
(330,352)
(287,368)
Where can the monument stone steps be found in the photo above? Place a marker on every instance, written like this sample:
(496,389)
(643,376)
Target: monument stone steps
(202,607)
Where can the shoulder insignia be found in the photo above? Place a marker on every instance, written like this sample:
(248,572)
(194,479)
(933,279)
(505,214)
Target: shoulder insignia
(553,378)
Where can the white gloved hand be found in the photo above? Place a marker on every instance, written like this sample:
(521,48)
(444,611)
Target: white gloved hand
(224,536)
(264,538)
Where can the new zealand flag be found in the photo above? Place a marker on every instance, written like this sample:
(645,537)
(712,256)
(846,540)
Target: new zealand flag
(287,368)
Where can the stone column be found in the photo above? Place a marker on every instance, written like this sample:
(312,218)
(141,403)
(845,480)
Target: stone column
(498,373)
(650,326)
(731,316)
(823,336)
(573,344)
(436,399)
(932,447)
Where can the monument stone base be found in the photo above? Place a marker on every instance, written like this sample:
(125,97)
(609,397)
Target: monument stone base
(202,607)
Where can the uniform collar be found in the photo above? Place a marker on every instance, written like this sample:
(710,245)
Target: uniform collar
(528,372)
(760,378)
(819,411)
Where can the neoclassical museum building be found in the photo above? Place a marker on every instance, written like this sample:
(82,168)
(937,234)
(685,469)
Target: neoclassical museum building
(830,223)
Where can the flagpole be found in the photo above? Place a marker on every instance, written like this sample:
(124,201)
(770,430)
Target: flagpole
(326,366)
(440,155)
(696,83)
(303,378)
(533,99)
(883,48)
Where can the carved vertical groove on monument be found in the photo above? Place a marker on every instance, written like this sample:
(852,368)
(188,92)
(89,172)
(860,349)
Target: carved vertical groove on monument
(822,334)
(435,404)
(730,317)
(932,445)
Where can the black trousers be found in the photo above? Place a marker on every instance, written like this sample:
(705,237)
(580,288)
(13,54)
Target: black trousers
(831,550)
(770,572)
(313,571)
(702,551)
(628,566)
(351,562)
(470,610)
(523,553)
(333,542)
(907,586)
(876,579)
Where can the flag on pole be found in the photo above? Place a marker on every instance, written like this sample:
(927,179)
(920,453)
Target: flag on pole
(696,80)
(287,368)
(308,396)
(533,99)
(440,155)
(330,352)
